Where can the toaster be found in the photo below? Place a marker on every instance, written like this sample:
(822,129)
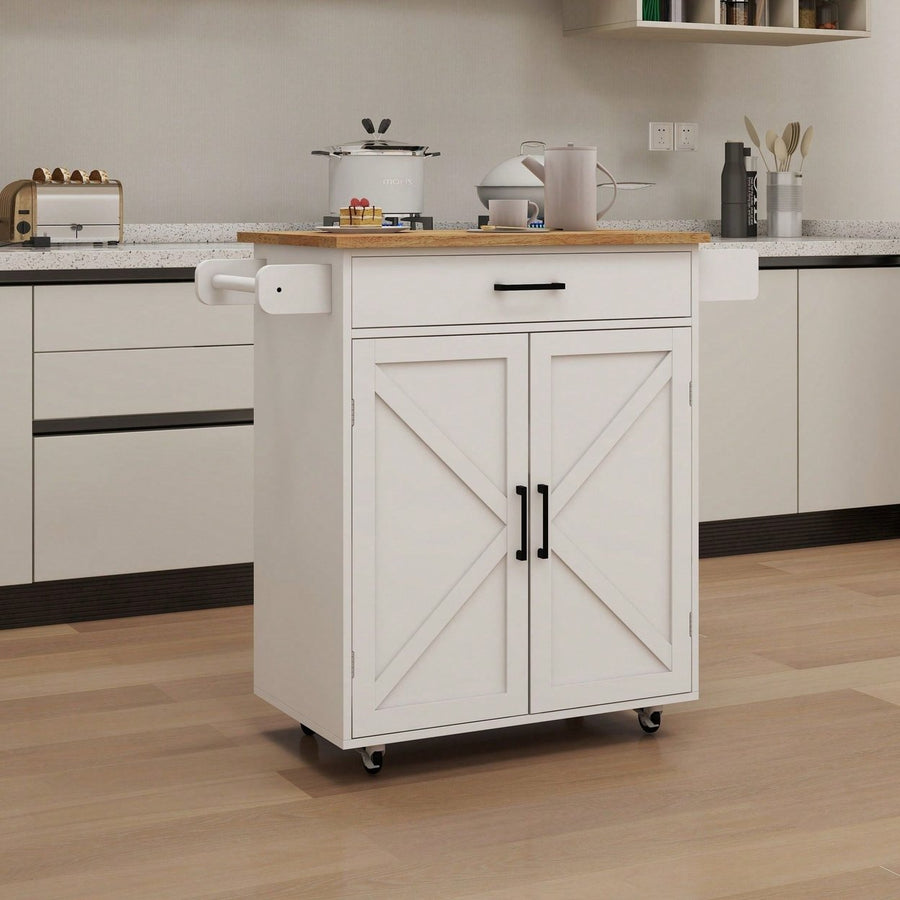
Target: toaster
(62,213)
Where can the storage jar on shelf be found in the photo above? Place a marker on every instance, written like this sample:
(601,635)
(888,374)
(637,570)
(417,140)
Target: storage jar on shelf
(807,13)
(828,14)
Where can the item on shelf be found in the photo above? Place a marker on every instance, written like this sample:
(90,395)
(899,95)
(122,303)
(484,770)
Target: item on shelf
(807,13)
(761,15)
(739,12)
(828,14)
(751,165)
(734,191)
(656,10)
(676,11)
(784,204)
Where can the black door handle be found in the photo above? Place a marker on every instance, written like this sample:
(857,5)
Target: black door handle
(522,552)
(544,549)
(544,286)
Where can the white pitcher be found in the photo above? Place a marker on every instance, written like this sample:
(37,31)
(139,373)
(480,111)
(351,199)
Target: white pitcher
(570,187)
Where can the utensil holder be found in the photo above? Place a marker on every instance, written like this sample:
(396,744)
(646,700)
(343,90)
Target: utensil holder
(784,204)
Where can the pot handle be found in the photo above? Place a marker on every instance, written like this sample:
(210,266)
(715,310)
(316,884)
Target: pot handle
(615,185)
(320,152)
(432,153)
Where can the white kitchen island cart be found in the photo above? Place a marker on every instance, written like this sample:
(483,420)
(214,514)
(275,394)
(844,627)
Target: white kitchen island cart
(475,485)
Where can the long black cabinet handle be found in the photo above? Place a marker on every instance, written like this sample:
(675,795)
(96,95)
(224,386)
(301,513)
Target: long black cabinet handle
(522,552)
(543,286)
(544,549)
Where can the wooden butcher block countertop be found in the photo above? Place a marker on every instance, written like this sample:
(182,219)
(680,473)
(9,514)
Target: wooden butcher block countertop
(343,240)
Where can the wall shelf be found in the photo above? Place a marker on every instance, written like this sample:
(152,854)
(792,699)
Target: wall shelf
(623,19)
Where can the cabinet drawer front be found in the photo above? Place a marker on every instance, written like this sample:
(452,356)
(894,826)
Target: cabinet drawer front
(123,382)
(142,501)
(390,291)
(121,316)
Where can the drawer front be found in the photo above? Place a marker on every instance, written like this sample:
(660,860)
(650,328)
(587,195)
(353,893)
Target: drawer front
(122,316)
(127,382)
(445,290)
(105,504)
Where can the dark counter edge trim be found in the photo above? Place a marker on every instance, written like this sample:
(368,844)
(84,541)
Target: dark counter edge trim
(93,276)
(796,531)
(828,262)
(120,596)
(135,275)
(141,422)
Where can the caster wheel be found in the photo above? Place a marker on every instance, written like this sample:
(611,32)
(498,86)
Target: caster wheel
(372,758)
(649,720)
(377,761)
(306,730)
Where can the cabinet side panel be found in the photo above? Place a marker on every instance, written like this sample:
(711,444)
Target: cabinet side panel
(301,425)
(748,403)
(15,435)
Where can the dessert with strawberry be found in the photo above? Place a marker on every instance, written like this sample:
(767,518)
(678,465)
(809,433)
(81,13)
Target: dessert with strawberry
(361,212)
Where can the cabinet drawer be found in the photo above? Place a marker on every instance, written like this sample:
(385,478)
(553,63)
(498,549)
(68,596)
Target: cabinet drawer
(423,290)
(123,382)
(105,504)
(121,316)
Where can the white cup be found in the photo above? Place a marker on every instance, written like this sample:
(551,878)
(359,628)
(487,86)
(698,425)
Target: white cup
(513,213)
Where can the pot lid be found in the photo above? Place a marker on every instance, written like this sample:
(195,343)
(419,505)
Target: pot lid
(377,143)
(511,172)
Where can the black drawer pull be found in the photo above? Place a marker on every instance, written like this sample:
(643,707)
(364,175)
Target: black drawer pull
(522,552)
(545,286)
(544,551)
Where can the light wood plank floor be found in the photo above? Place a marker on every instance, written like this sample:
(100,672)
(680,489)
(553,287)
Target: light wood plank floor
(136,763)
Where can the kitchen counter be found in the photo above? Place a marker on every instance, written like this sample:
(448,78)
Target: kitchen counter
(451,238)
(122,256)
(809,246)
(165,248)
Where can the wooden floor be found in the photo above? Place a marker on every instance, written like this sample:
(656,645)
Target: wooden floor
(136,763)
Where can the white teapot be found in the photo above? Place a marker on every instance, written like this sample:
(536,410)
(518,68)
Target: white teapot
(569,175)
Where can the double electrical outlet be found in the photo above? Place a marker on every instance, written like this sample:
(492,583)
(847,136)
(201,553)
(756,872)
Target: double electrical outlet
(674,135)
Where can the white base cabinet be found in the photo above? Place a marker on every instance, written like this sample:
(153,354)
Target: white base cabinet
(478,523)
(799,410)
(15,435)
(748,406)
(849,371)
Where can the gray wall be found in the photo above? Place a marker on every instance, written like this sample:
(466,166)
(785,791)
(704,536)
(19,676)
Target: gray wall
(207,109)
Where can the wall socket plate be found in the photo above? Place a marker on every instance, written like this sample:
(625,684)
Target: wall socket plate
(687,135)
(662,136)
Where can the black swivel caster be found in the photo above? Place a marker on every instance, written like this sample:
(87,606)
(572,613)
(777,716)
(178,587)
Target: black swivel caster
(649,719)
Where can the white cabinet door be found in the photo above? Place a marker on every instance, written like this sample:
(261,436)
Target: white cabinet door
(748,403)
(849,434)
(440,608)
(15,435)
(611,439)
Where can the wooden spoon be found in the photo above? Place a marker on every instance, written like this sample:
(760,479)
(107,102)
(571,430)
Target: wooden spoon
(754,137)
(780,154)
(792,144)
(770,142)
(804,145)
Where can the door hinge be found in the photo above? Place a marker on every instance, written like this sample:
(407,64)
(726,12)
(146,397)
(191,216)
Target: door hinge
(690,624)
(352,412)
(353,664)
(690,393)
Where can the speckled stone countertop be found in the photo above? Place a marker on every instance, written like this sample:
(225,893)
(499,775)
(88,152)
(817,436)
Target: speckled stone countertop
(186,245)
(124,256)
